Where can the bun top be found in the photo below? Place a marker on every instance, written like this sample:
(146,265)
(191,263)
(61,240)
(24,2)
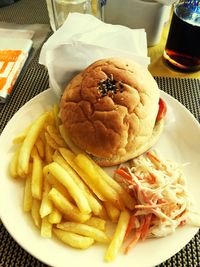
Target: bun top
(110,108)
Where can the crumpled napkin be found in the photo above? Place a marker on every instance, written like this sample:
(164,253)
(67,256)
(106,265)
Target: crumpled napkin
(84,39)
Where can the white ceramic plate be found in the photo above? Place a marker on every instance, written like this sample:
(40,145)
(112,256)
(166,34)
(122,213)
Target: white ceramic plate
(180,141)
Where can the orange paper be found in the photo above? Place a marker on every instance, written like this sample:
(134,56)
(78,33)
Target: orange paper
(11,62)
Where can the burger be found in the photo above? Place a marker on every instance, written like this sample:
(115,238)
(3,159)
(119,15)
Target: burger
(113,111)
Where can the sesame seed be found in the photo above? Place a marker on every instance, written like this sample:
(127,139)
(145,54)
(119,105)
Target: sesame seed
(110,86)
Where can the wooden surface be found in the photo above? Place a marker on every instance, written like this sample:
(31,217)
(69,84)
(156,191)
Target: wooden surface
(158,67)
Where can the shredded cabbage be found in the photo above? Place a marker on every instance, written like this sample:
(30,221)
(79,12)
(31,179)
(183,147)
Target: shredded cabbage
(159,189)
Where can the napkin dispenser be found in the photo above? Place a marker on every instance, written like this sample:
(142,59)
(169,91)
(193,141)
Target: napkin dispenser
(150,15)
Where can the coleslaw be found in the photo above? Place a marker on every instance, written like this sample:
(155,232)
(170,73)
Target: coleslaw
(162,201)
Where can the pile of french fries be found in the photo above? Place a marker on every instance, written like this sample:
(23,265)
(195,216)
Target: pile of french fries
(67,194)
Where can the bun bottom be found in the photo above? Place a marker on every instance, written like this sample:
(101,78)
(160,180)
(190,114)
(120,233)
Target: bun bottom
(107,162)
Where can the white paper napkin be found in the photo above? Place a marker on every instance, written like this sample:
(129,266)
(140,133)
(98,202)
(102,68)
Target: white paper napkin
(84,39)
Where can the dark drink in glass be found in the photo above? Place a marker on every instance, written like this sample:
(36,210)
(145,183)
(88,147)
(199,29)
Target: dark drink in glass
(183,44)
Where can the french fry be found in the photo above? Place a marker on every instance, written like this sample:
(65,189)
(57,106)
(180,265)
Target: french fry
(68,210)
(58,186)
(65,191)
(56,154)
(46,206)
(50,119)
(118,237)
(128,201)
(55,135)
(97,207)
(85,230)
(112,211)
(13,166)
(126,198)
(29,141)
(68,141)
(37,176)
(46,228)
(60,160)
(55,216)
(102,214)
(70,158)
(94,204)
(105,189)
(27,199)
(42,135)
(20,138)
(48,153)
(64,178)
(55,113)
(35,212)
(97,223)
(40,147)
(51,142)
(73,240)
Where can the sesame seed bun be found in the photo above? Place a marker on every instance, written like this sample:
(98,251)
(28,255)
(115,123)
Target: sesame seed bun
(109,110)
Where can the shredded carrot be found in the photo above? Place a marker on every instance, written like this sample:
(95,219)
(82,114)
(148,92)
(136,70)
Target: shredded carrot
(124,174)
(130,225)
(181,214)
(150,206)
(145,229)
(152,157)
(139,178)
(151,178)
(155,160)
(135,238)
(161,201)
(146,198)
(133,242)
(141,232)
(182,223)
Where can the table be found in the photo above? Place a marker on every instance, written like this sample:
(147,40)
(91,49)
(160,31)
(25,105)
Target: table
(35,79)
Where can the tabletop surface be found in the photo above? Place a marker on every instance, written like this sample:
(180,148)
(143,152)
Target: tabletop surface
(185,88)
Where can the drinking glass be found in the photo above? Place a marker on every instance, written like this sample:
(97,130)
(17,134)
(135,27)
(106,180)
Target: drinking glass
(59,10)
